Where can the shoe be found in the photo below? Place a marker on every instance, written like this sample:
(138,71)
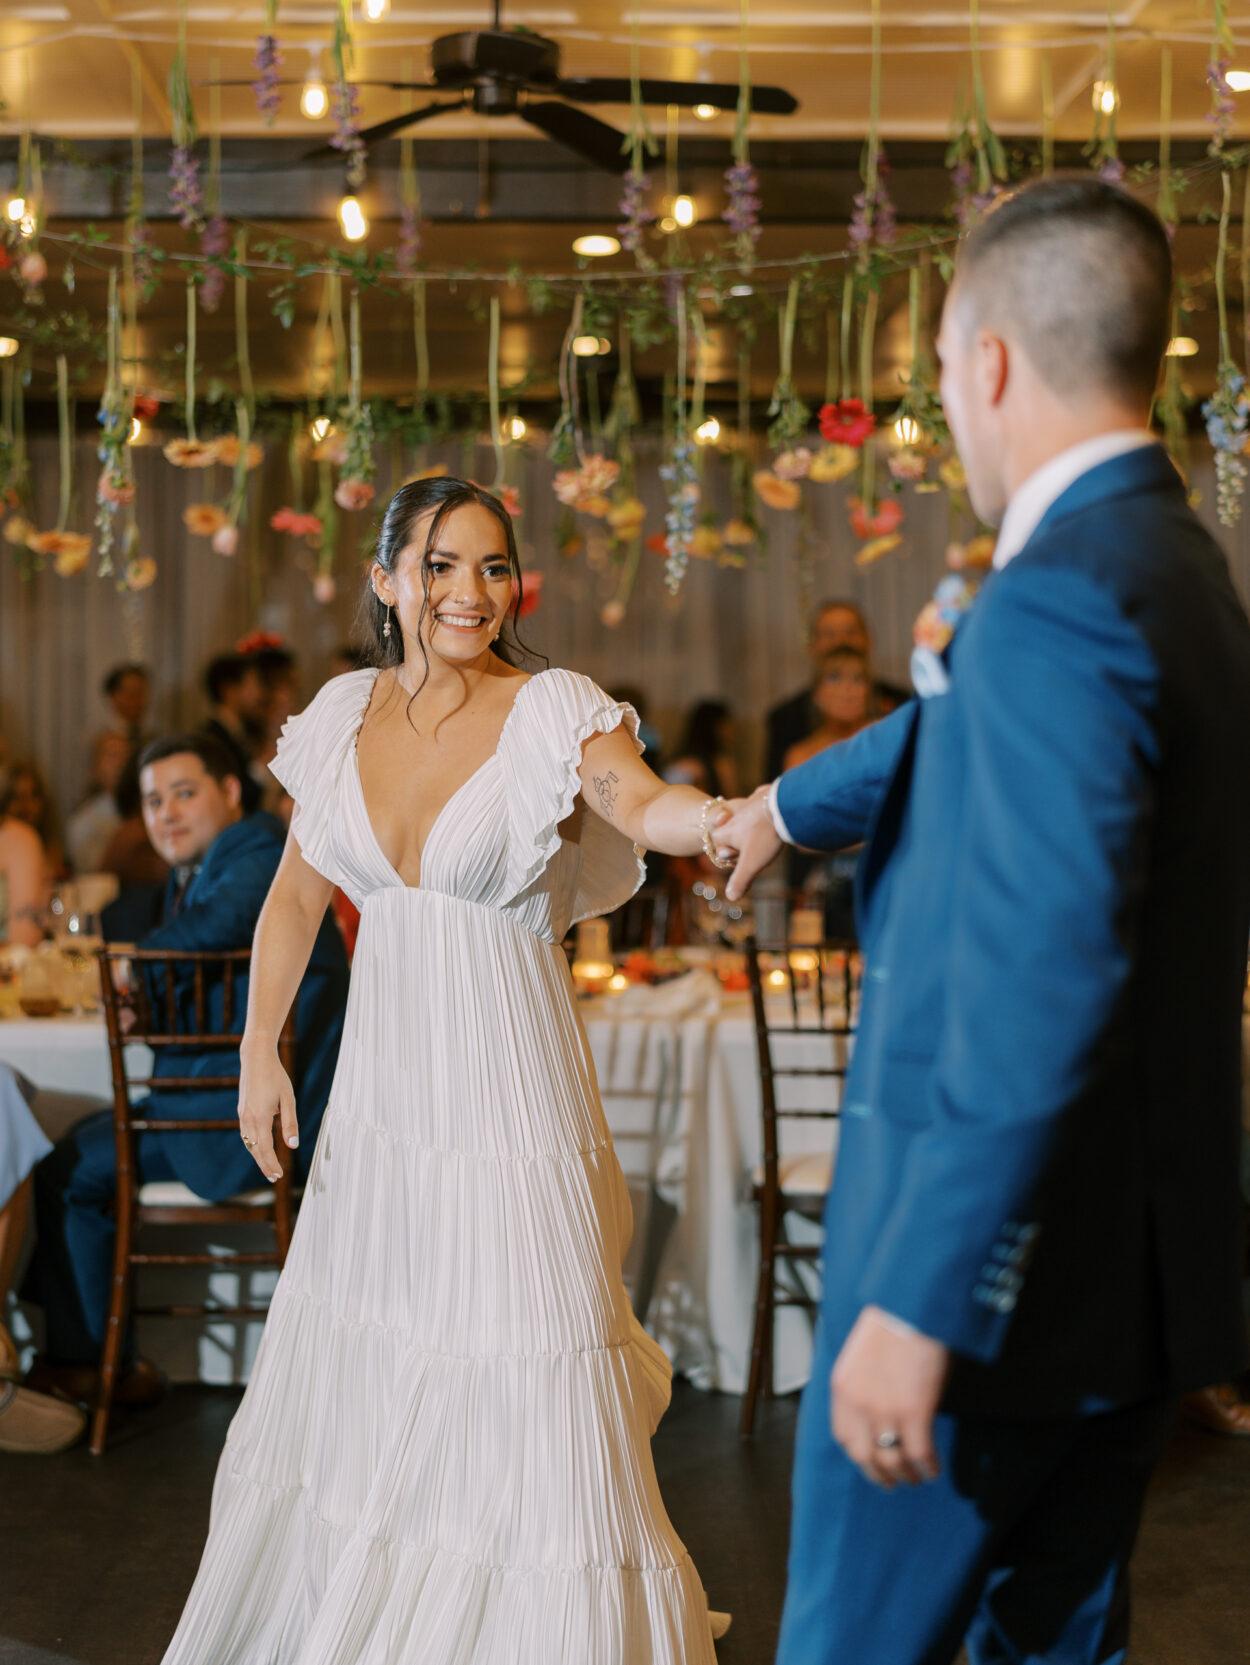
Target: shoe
(10,1359)
(138,1388)
(33,1425)
(1219,1409)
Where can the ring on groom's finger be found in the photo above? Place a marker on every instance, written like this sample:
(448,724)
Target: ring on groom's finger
(250,1143)
(888,1440)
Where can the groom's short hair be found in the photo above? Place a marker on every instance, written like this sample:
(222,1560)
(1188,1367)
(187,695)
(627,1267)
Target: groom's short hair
(1080,273)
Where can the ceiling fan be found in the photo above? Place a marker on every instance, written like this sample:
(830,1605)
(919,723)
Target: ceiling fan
(502,72)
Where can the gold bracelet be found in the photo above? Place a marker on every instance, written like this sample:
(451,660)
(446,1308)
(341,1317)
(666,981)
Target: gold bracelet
(709,848)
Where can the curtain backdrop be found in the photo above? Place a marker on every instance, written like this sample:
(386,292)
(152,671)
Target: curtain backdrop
(733,634)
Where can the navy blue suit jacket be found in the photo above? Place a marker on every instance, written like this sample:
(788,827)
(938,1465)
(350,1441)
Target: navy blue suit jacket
(219,911)
(1038,1160)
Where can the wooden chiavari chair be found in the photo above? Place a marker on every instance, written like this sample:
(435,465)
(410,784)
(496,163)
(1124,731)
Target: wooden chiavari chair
(164,994)
(802,996)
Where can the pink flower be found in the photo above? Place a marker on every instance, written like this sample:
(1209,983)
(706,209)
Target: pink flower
(612,614)
(114,489)
(886,520)
(32,268)
(226,540)
(353,494)
(324,588)
(296,525)
(510,497)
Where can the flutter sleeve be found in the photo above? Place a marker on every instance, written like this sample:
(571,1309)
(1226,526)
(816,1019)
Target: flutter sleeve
(564,710)
(313,751)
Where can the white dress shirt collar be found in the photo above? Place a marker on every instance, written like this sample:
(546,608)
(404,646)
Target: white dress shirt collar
(1048,483)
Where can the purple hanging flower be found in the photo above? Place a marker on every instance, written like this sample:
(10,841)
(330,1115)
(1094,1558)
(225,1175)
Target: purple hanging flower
(345,107)
(635,215)
(186,195)
(1112,170)
(408,248)
(214,242)
(742,210)
(969,205)
(873,219)
(141,248)
(1223,103)
(267,63)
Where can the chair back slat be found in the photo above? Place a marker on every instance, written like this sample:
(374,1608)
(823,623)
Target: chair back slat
(162,999)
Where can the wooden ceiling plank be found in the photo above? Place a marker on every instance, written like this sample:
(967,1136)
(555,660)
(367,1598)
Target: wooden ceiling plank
(149,78)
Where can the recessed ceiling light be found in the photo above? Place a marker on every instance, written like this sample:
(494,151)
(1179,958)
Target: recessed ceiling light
(595,245)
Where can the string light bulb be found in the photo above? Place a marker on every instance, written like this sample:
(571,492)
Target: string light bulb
(1182,346)
(515,429)
(136,430)
(374,11)
(596,245)
(15,209)
(1238,80)
(907,430)
(8,346)
(355,226)
(319,429)
(684,211)
(706,112)
(26,226)
(1106,97)
(314,100)
(708,432)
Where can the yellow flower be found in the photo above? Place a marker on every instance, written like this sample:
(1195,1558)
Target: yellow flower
(140,573)
(18,530)
(951,473)
(740,533)
(705,542)
(190,453)
(980,551)
(833,462)
(203,519)
(626,516)
(777,494)
(873,551)
(595,504)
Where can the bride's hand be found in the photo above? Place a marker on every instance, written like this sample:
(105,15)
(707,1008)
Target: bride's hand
(266,1095)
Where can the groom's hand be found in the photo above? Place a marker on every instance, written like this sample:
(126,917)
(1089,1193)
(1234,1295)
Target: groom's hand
(750,833)
(887,1380)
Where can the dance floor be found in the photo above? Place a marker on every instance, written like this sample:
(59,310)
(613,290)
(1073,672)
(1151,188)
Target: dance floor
(98,1554)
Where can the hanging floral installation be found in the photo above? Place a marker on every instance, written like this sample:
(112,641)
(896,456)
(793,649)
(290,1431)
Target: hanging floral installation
(1227,411)
(742,186)
(975,158)
(345,100)
(186,194)
(636,214)
(268,66)
(1103,148)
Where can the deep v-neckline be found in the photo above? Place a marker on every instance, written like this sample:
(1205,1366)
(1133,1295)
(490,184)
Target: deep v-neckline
(464,786)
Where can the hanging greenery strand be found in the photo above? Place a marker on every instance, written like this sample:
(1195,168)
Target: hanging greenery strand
(65,442)
(1048,116)
(742,186)
(242,347)
(678,473)
(188,403)
(185,191)
(492,383)
(1226,412)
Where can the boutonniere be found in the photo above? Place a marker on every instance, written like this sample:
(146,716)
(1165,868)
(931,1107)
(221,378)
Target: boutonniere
(935,628)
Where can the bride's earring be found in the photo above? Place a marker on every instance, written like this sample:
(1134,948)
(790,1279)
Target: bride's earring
(386,628)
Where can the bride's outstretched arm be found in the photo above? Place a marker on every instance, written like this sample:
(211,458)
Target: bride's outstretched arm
(618,786)
(285,933)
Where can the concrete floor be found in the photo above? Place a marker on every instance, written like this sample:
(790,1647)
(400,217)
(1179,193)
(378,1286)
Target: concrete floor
(96,1555)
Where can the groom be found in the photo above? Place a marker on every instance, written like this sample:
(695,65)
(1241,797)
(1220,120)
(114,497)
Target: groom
(1032,1240)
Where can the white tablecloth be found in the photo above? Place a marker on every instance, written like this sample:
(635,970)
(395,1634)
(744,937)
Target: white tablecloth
(682,1099)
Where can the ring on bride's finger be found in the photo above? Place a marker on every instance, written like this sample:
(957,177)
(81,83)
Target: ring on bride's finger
(888,1440)
(250,1143)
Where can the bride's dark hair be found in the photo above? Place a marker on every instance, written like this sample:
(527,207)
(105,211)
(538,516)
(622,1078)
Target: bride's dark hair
(442,494)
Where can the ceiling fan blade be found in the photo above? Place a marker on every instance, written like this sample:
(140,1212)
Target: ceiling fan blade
(585,135)
(606,89)
(383,129)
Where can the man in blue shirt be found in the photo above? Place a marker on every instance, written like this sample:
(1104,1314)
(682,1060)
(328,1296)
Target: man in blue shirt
(222,863)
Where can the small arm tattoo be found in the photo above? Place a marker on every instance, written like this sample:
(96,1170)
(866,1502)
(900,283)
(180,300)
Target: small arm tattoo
(606,791)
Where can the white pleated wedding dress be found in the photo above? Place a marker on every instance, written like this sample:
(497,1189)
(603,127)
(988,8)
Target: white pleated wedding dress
(443,1456)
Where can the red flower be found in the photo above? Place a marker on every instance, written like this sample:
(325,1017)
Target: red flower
(258,641)
(888,518)
(531,593)
(849,422)
(657,543)
(146,407)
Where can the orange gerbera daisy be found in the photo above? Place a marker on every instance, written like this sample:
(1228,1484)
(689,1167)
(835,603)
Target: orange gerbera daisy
(203,519)
(777,494)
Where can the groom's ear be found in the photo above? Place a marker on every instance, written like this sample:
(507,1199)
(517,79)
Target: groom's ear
(992,367)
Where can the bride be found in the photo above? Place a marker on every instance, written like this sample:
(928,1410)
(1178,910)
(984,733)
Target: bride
(443,1454)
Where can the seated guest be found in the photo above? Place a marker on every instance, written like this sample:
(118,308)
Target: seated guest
(140,873)
(706,755)
(238,701)
(26,799)
(128,692)
(24,888)
(90,828)
(31,1423)
(836,624)
(222,864)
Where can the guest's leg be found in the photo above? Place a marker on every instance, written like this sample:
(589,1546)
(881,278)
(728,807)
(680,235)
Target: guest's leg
(1058,1590)
(71,1270)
